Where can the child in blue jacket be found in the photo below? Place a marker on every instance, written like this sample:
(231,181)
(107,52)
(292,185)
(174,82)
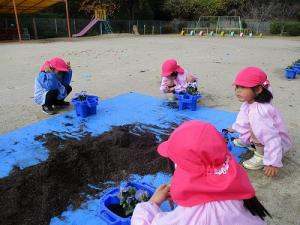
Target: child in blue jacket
(52,85)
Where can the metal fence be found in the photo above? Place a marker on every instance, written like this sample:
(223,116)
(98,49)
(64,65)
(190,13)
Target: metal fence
(39,27)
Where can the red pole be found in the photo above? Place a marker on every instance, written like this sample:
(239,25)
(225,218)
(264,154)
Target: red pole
(17,20)
(68,19)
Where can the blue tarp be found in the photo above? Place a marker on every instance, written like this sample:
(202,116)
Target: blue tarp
(19,147)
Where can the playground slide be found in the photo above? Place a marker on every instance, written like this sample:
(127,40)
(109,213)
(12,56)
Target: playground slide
(87,28)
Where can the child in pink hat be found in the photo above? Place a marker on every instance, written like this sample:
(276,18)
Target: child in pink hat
(259,123)
(52,85)
(175,79)
(208,186)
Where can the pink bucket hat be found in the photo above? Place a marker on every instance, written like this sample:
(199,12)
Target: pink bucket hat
(56,63)
(169,66)
(251,77)
(206,171)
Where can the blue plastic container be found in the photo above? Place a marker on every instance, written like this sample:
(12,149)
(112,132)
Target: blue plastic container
(86,107)
(188,101)
(111,198)
(290,73)
(297,68)
(236,151)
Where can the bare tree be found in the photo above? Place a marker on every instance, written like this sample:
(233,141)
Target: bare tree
(261,10)
(89,6)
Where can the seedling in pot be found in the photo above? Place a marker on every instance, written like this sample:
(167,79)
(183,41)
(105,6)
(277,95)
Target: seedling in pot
(82,96)
(192,89)
(130,197)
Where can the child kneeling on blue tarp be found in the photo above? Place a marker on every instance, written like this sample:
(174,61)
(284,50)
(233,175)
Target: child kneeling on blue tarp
(52,84)
(208,186)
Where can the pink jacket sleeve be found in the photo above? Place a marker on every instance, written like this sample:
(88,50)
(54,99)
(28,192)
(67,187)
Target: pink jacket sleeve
(144,213)
(181,82)
(164,85)
(242,125)
(262,119)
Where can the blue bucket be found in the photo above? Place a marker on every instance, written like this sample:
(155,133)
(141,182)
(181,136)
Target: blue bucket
(188,101)
(290,73)
(236,151)
(296,67)
(86,107)
(92,102)
(111,198)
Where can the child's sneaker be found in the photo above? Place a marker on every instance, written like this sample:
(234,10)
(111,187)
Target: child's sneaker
(61,103)
(255,163)
(48,109)
(238,142)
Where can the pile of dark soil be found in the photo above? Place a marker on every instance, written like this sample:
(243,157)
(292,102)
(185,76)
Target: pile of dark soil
(38,193)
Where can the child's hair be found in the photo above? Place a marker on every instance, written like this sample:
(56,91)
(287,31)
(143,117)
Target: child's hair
(264,97)
(174,74)
(171,166)
(256,208)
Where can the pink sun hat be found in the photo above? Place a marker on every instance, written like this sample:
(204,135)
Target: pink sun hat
(57,63)
(251,77)
(205,170)
(169,66)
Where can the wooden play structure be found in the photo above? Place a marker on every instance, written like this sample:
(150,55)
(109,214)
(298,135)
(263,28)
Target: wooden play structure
(100,13)
(100,16)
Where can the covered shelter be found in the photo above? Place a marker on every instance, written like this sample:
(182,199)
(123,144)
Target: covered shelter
(30,6)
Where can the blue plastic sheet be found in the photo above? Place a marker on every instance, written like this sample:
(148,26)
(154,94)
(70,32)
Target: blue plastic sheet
(19,147)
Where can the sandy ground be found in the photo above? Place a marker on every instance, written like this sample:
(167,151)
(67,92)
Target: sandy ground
(112,65)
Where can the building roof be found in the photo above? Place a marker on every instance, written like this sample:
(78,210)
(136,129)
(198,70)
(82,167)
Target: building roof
(26,6)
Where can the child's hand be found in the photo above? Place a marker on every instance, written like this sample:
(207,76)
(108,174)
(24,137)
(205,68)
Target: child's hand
(69,65)
(191,78)
(161,194)
(171,90)
(271,171)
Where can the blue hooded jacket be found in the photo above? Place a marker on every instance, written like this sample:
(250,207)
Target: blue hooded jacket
(47,81)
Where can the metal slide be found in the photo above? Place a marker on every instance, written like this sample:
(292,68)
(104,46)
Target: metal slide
(87,28)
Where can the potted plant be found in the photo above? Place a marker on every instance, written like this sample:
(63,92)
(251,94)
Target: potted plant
(192,89)
(81,96)
(129,197)
(289,72)
(85,104)
(117,205)
(189,98)
(296,66)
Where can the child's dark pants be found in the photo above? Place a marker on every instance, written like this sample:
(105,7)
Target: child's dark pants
(51,96)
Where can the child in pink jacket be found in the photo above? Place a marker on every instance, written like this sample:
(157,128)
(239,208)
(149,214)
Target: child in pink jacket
(208,185)
(175,79)
(259,123)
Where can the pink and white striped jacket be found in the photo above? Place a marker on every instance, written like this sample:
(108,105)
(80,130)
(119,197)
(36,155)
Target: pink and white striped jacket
(180,82)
